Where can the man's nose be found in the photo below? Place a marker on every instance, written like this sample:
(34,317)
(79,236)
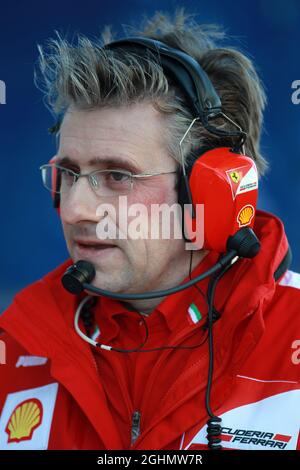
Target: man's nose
(79,203)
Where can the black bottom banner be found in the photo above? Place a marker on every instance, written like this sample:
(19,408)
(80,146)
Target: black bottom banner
(134,459)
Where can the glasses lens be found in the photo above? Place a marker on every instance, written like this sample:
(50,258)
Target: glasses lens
(49,177)
(57,179)
(103,182)
(111,182)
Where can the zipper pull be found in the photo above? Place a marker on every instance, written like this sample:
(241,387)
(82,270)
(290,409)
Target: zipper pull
(135,426)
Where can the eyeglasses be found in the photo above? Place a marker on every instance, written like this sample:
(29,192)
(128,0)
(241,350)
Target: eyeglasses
(58,179)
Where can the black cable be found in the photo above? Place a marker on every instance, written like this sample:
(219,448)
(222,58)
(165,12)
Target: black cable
(195,285)
(214,422)
(87,320)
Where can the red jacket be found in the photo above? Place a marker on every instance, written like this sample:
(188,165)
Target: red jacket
(58,392)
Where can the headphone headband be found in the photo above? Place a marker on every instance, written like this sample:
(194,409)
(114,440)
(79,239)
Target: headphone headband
(198,89)
(190,76)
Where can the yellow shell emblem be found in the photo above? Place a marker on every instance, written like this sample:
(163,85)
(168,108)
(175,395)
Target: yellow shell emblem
(245,215)
(25,418)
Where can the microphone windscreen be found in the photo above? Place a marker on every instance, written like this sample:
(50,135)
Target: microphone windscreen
(78,274)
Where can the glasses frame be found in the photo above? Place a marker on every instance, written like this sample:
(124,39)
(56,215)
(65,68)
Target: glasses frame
(90,175)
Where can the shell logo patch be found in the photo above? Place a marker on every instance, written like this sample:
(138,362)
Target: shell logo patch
(25,418)
(245,215)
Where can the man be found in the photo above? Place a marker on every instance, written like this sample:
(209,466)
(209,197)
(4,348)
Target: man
(121,127)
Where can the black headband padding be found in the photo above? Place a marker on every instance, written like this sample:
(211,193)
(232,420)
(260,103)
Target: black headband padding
(185,70)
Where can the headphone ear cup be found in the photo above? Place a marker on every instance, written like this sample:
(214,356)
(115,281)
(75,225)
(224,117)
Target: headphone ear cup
(56,201)
(56,185)
(224,191)
(185,196)
(184,199)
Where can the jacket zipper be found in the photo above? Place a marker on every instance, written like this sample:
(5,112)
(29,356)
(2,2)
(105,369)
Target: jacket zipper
(135,426)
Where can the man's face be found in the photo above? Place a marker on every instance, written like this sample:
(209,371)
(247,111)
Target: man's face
(135,134)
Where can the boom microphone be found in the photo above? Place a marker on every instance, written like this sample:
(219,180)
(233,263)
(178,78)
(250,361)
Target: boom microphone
(243,244)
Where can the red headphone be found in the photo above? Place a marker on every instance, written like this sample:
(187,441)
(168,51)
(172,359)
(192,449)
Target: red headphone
(226,183)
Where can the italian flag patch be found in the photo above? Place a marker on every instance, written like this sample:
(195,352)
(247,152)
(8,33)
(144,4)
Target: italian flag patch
(194,313)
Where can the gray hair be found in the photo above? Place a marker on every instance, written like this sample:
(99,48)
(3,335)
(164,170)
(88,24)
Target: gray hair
(87,76)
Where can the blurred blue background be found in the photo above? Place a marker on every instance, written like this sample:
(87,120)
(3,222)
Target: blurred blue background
(31,238)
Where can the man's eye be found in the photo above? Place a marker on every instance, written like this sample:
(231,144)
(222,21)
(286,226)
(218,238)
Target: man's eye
(118,176)
(115,176)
